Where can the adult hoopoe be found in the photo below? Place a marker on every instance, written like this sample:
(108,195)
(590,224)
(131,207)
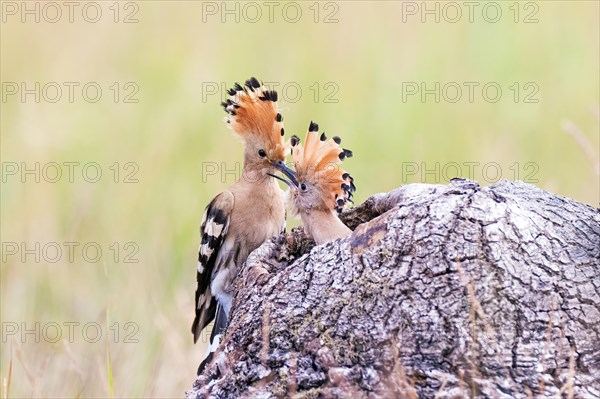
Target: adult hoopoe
(252,210)
(319,187)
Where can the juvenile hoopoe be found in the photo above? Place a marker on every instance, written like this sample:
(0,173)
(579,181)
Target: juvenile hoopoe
(239,220)
(319,186)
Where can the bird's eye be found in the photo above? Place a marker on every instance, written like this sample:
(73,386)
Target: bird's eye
(303,187)
(262,153)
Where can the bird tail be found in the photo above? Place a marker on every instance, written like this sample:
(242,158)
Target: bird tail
(215,337)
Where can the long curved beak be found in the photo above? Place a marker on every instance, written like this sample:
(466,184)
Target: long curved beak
(289,173)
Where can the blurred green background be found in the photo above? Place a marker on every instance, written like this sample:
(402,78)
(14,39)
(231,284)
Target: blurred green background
(156,133)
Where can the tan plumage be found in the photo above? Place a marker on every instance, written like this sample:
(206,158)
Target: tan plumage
(320,187)
(241,218)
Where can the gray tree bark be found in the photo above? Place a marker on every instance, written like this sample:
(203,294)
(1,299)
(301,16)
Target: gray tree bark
(441,292)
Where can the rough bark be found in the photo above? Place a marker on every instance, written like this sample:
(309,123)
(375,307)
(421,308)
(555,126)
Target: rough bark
(441,291)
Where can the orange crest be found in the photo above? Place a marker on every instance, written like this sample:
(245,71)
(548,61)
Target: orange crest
(318,163)
(253,115)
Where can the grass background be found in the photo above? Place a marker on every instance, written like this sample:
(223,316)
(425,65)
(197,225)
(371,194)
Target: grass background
(176,54)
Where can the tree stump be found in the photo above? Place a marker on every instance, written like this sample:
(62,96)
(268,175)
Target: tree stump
(442,291)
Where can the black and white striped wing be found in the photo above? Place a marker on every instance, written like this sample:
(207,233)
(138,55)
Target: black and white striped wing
(213,230)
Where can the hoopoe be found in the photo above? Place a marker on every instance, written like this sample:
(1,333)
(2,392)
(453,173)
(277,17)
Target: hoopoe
(319,187)
(239,220)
